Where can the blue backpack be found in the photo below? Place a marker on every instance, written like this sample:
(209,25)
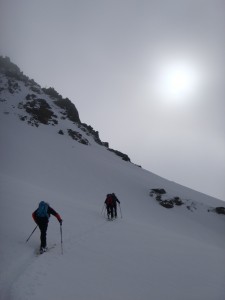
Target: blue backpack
(42,211)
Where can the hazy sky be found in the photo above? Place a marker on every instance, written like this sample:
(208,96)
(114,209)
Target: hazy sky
(147,74)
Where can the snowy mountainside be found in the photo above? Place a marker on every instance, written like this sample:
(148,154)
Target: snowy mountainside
(24,98)
(149,252)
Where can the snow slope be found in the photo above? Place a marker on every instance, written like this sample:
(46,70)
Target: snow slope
(149,252)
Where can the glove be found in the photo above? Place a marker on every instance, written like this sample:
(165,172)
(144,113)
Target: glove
(60,222)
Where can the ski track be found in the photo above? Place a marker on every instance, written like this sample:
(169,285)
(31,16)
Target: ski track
(24,269)
(11,275)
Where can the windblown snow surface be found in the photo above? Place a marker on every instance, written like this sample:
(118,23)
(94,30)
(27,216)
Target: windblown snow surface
(149,252)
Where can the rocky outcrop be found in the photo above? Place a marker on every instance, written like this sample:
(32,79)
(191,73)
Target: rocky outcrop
(45,106)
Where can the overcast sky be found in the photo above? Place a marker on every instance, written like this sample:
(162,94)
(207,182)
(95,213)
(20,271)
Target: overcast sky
(118,60)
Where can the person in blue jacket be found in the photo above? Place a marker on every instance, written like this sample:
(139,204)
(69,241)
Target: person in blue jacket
(41,217)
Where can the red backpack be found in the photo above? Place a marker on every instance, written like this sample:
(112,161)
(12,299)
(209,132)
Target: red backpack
(109,200)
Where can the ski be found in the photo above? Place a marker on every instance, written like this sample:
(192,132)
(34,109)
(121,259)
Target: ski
(47,250)
(111,219)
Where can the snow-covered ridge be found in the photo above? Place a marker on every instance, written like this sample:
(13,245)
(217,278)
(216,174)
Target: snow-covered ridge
(37,106)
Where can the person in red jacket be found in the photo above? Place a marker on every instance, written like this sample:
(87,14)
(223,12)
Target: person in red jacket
(109,206)
(41,217)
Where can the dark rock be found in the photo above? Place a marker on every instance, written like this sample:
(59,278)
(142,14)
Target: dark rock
(220,210)
(40,112)
(167,203)
(70,109)
(158,198)
(61,132)
(177,201)
(122,155)
(158,191)
(77,137)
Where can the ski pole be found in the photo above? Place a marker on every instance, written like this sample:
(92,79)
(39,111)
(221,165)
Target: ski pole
(120,212)
(61,239)
(103,208)
(31,234)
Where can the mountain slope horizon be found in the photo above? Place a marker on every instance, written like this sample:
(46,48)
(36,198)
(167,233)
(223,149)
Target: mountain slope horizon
(149,252)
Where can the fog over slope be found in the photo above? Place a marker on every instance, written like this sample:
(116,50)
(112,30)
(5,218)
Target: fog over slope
(148,252)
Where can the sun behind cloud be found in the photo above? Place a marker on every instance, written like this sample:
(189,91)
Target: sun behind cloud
(176,80)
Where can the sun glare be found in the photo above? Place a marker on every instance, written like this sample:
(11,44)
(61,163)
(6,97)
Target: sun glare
(176,81)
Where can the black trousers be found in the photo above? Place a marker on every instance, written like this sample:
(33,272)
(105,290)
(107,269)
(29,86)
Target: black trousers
(43,226)
(115,210)
(109,209)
